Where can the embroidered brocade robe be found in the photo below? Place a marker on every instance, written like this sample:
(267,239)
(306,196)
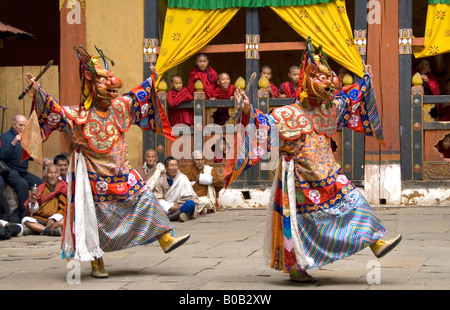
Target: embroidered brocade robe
(305,137)
(311,199)
(100,136)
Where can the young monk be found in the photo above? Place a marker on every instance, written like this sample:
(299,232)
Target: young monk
(175,96)
(203,72)
(430,82)
(272,89)
(223,90)
(444,147)
(289,88)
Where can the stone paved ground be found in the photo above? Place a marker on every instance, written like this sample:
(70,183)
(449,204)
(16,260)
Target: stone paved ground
(225,253)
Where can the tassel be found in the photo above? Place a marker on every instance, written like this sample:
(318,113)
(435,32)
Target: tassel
(88,102)
(303,96)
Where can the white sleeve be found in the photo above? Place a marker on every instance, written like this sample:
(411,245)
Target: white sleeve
(205,179)
(165,205)
(57,217)
(33,209)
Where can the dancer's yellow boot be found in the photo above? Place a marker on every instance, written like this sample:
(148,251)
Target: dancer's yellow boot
(169,243)
(98,269)
(381,247)
(301,276)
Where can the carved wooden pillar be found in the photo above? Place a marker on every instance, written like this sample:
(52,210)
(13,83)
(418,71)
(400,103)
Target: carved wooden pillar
(150,42)
(406,106)
(382,173)
(73,33)
(352,142)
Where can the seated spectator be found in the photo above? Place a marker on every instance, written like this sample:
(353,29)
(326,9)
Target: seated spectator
(18,178)
(342,71)
(5,211)
(430,82)
(46,209)
(62,162)
(4,205)
(444,147)
(179,94)
(272,89)
(223,90)
(175,194)
(223,148)
(205,181)
(47,161)
(151,171)
(443,109)
(289,88)
(7,229)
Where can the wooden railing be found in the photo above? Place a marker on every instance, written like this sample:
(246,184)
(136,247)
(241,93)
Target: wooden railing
(205,129)
(427,162)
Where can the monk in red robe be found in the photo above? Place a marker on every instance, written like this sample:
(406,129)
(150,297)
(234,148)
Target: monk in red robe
(272,89)
(430,82)
(223,90)
(46,209)
(444,147)
(175,96)
(204,73)
(289,88)
(443,108)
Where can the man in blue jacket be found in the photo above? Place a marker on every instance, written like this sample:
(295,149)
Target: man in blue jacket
(18,177)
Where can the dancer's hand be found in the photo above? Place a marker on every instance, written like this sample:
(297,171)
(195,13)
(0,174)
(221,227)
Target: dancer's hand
(243,102)
(154,72)
(367,68)
(31,80)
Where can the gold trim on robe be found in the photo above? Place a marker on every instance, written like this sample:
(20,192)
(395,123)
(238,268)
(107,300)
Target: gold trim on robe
(102,129)
(293,121)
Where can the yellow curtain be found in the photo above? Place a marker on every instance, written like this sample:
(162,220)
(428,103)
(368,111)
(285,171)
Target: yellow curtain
(326,24)
(437,31)
(187,31)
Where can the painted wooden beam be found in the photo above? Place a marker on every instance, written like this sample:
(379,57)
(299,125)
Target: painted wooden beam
(418,41)
(240,47)
(405,60)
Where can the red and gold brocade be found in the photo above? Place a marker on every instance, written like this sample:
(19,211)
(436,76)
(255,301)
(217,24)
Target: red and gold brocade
(100,136)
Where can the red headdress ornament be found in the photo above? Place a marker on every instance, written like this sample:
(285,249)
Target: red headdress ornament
(89,63)
(318,83)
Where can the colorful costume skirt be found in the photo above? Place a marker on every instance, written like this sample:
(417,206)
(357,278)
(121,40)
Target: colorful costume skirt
(301,240)
(126,224)
(326,242)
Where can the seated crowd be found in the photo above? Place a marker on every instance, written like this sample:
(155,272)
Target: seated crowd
(183,194)
(41,201)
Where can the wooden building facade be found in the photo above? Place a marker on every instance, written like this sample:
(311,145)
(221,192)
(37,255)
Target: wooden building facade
(385,33)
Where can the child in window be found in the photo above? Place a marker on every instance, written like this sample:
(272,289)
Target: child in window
(289,88)
(175,96)
(203,72)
